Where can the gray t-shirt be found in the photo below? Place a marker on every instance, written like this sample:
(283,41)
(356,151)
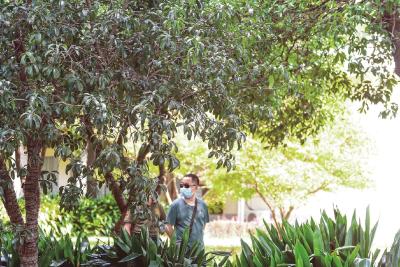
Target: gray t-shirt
(180,215)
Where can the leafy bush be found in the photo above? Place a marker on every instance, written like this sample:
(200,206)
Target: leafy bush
(329,243)
(92,216)
(95,216)
(392,257)
(63,251)
(141,250)
(8,255)
(215,202)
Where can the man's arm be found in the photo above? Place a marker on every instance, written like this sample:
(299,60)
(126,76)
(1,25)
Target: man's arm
(169,229)
(171,220)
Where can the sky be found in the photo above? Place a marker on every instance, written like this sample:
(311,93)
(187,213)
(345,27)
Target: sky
(383,196)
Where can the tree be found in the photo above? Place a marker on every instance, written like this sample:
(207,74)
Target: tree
(97,75)
(287,176)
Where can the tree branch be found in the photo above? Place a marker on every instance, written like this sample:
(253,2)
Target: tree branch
(319,188)
(116,192)
(291,208)
(269,207)
(10,198)
(393,29)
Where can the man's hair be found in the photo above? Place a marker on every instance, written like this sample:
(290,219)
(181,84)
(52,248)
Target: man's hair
(194,177)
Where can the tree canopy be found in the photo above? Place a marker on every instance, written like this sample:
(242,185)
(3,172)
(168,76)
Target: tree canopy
(94,75)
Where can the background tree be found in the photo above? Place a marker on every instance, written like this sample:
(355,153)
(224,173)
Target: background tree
(287,176)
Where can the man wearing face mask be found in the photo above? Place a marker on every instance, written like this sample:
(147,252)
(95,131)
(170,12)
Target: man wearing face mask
(188,212)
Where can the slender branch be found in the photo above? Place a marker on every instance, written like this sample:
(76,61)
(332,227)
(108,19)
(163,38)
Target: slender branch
(291,208)
(10,198)
(282,213)
(269,207)
(116,192)
(319,188)
(91,153)
(161,177)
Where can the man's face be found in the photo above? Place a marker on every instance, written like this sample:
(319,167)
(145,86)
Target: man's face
(188,181)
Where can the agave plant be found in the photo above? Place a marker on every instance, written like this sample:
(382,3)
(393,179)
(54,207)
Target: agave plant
(63,251)
(331,243)
(8,253)
(391,258)
(66,252)
(174,254)
(141,250)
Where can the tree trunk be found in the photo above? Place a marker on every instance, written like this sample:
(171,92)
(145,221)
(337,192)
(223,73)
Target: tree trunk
(91,154)
(171,186)
(162,182)
(116,192)
(121,203)
(10,198)
(161,178)
(91,183)
(125,219)
(29,249)
(393,28)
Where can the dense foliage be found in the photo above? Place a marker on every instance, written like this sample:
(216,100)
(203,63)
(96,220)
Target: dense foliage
(94,75)
(333,242)
(139,250)
(329,243)
(94,217)
(54,250)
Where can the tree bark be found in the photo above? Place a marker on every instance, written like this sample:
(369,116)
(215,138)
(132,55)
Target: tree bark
(29,249)
(121,203)
(10,198)
(91,183)
(116,192)
(171,186)
(392,21)
(161,178)
(162,181)
(125,220)
(91,154)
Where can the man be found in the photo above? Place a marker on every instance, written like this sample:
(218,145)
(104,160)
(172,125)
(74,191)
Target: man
(180,215)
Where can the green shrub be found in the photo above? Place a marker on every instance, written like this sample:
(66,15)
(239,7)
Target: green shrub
(64,251)
(214,202)
(141,250)
(329,243)
(392,257)
(94,217)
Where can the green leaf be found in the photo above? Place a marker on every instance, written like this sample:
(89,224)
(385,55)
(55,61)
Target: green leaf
(56,73)
(271,81)
(301,256)
(130,257)
(358,262)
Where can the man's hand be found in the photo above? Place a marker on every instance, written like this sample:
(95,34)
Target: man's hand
(169,229)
